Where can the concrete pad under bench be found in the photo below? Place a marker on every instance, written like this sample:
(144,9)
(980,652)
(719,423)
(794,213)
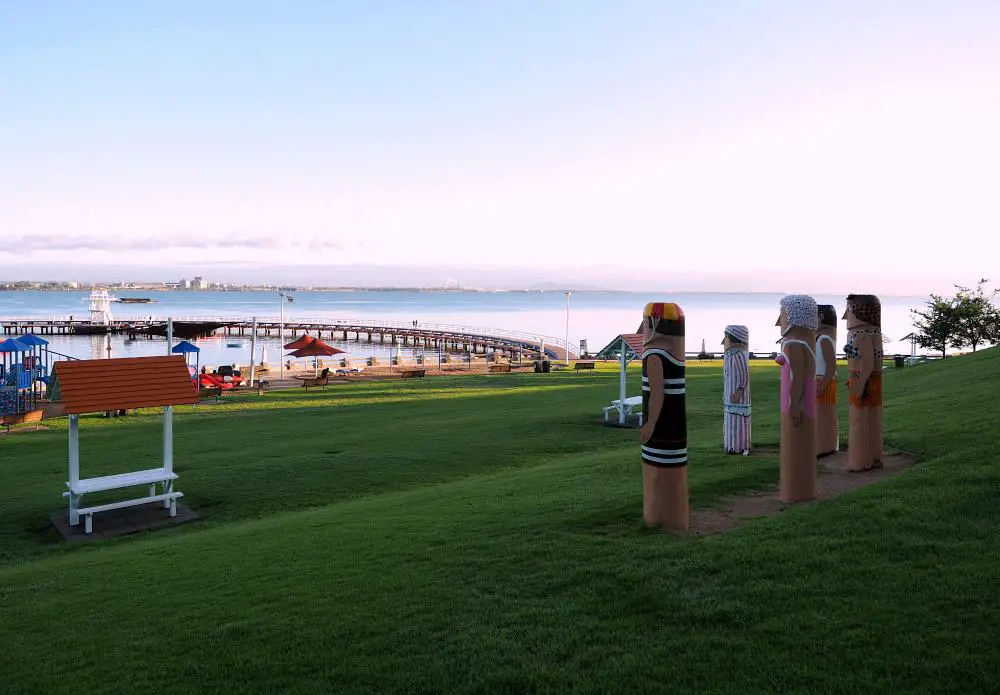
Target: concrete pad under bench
(121,522)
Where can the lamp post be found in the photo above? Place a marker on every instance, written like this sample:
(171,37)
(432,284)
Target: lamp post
(282,297)
(568,295)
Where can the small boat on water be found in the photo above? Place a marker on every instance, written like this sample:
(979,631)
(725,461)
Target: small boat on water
(234,344)
(135,300)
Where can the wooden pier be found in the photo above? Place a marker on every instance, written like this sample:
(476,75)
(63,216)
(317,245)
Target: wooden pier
(445,337)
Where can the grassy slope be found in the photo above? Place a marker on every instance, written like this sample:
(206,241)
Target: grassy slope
(508,557)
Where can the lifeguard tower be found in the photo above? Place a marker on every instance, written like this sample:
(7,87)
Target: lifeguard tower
(100,307)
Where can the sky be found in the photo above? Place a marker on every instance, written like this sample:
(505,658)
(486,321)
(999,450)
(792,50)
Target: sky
(638,144)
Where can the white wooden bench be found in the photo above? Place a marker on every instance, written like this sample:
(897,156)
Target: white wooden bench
(630,404)
(152,477)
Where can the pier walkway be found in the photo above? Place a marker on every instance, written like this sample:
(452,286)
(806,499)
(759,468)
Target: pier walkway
(402,333)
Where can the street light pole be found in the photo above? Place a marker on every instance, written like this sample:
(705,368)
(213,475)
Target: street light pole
(568,295)
(281,335)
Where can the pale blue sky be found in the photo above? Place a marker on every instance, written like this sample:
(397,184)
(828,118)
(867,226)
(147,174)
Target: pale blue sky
(415,133)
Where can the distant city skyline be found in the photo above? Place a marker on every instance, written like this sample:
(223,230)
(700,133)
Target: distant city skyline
(768,146)
(364,276)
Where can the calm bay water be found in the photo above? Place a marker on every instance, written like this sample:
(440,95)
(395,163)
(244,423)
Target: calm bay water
(595,316)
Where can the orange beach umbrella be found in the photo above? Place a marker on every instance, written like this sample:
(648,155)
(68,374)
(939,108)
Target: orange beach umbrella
(316,348)
(300,342)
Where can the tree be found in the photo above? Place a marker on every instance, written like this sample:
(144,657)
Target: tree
(970,318)
(937,326)
(977,317)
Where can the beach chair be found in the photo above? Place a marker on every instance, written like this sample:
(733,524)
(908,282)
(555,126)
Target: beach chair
(322,379)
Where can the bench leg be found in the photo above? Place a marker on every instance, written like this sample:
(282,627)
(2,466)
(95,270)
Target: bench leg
(168,487)
(74,504)
(173,506)
(88,523)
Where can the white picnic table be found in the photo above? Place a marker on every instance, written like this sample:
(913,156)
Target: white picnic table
(627,407)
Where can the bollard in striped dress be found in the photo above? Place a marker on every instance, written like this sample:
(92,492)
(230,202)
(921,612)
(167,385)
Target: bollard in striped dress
(736,401)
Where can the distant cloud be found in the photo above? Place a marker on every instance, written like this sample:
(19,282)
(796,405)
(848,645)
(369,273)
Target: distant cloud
(57,242)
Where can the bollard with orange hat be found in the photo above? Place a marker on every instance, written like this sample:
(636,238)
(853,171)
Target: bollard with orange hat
(664,434)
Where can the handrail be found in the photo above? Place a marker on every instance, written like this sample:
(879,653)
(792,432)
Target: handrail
(68,357)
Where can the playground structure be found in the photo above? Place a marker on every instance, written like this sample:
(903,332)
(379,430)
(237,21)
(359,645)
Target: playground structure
(24,368)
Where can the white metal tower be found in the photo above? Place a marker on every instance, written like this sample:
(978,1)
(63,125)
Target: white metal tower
(100,306)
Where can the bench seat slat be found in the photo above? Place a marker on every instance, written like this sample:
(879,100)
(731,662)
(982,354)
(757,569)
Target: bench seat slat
(128,503)
(115,482)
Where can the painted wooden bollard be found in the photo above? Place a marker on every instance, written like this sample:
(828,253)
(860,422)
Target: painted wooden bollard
(864,385)
(736,390)
(664,434)
(798,321)
(827,427)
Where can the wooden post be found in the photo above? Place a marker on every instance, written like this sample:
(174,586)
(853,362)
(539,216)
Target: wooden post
(168,438)
(253,350)
(664,434)
(827,425)
(623,361)
(74,466)
(735,389)
(798,320)
(864,361)
(168,455)
(170,334)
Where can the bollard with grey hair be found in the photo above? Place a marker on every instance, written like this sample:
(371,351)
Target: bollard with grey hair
(736,390)
(864,385)
(798,320)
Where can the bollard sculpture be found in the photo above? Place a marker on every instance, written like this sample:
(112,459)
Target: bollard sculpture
(798,321)
(864,385)
(664,434)
(827,427)
(736,390)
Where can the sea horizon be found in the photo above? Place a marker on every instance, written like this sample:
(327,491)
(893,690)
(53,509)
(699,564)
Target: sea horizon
(596,317)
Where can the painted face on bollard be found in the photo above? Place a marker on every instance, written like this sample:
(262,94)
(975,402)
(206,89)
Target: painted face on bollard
(850,318)
(671,343)
(782,321)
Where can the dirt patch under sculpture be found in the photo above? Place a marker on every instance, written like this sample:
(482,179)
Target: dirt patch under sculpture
(834,480)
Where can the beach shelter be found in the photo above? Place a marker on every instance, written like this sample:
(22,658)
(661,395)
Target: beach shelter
(626,347)
(185,348)
(316,348)
(98,386)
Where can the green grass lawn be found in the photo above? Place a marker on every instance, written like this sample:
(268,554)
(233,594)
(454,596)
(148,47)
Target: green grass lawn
(482,534)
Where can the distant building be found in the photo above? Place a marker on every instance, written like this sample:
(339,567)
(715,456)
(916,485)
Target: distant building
(185,284)
(199,283)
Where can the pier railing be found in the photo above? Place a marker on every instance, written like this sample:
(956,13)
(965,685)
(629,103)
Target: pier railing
(328,323)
